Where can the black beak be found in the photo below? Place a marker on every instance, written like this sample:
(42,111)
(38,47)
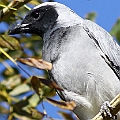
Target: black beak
(20,28)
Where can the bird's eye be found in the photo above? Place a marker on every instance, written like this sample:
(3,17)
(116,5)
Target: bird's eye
(35,15)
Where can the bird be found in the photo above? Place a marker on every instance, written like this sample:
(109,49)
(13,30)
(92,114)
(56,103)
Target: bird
(85,58)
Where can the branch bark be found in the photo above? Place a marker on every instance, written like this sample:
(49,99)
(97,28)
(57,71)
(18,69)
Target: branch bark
(115,103)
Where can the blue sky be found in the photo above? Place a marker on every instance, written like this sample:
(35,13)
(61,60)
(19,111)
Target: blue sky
(108,11)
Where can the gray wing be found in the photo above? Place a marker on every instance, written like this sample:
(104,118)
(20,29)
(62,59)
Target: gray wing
(107,45)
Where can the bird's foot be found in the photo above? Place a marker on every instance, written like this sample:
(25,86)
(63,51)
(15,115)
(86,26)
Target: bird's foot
(106,110)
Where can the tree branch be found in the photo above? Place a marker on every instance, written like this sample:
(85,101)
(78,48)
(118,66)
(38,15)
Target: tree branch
(7,11)
(115,103)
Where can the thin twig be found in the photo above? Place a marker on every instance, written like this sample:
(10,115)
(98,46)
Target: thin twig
(8,10)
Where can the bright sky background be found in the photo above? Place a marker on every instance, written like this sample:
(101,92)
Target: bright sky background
(108,11)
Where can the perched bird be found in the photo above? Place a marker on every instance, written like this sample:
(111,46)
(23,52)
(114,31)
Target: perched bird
(85,58)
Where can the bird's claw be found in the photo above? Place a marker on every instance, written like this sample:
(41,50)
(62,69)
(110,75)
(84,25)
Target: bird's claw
(106,110)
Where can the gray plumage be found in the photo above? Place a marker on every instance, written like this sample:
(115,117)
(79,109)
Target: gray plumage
(85,58)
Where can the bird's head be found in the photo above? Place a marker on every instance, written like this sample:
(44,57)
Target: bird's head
(44,16)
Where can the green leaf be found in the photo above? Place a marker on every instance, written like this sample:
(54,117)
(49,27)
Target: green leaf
(91,16)
(34,100)
(115,31)
(35,2)
(115,28)
(118,35)
(41,89)
(20,89)
(19,107)
(36,85)
(36,114)
(9,42)
(11,82)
